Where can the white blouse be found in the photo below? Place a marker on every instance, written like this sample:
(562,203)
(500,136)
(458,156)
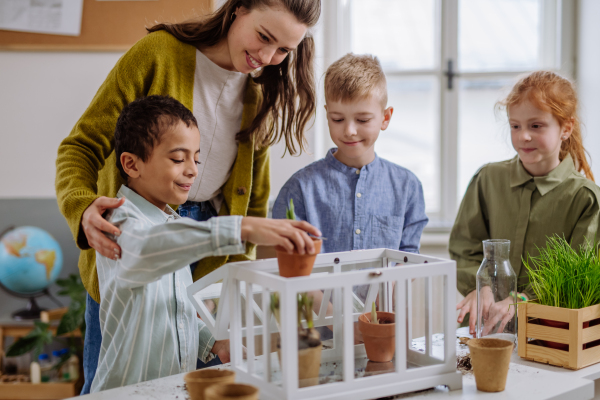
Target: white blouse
(218,107)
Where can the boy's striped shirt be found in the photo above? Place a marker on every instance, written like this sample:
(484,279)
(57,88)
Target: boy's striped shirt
(149,327)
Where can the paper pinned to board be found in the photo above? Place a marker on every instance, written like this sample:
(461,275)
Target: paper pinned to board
(54,17)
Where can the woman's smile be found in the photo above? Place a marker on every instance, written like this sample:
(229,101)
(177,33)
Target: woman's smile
(252,62)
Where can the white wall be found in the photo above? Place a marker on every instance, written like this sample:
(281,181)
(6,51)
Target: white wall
(588,77)
(43,95)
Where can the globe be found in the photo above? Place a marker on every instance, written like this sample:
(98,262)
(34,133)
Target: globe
(30,260)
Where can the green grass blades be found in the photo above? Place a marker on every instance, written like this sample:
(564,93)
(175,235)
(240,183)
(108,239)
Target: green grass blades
(563,277)
(289,213)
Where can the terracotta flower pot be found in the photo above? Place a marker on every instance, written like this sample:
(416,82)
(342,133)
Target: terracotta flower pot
(380,339)
(230,391)
(309,365)
(561,325)
(490,359)
(198,381)
(376,368)
(291,265)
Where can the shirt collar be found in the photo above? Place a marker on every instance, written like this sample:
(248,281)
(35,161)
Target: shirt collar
(154,213)
(544,184)
(340,166)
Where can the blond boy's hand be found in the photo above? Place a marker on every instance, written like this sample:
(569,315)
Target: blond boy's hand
(286,233)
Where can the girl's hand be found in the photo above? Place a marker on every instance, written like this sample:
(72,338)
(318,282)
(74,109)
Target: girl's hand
(468,305)
(502,312)
(93,225)
(286,233)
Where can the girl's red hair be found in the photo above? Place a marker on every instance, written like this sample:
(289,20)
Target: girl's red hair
(551,92)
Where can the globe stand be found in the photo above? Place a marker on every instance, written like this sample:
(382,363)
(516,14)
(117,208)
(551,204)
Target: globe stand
(31,312)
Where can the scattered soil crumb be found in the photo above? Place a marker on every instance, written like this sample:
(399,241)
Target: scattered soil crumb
(463,364)
(463,340)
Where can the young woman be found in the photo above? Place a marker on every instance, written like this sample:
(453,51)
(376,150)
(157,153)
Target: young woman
(539,193)
(205,65)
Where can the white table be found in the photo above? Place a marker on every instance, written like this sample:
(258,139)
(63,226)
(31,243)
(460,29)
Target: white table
(526,380)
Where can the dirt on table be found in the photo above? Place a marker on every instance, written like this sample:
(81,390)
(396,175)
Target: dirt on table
(463,364)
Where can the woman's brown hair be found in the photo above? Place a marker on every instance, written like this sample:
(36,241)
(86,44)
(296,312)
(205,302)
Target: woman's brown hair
(288,89)
(549,91)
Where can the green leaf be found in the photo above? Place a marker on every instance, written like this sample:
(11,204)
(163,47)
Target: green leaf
(39,336)
(22,346)
(290,213)
(72,319)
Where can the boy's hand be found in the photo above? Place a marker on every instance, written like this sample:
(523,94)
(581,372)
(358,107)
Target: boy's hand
(286,233)
(93,225)
(221,350)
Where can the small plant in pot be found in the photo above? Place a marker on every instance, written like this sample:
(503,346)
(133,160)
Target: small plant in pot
(561,276)
(378,329)
(291,265)
(309,340)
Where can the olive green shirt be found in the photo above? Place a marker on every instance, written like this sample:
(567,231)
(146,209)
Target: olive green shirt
(503,201)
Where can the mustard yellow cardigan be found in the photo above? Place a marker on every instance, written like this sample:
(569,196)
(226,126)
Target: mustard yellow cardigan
(85,166)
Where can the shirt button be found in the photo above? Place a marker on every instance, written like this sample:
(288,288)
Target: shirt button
(181,325)
(357,171)
(358,195)
(357,231)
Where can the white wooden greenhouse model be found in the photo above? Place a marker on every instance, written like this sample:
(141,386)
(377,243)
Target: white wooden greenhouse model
(234,302)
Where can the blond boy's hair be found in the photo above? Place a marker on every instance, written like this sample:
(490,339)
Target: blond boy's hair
(355,77)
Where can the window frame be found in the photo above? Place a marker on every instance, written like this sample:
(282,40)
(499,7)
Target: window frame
(557,51)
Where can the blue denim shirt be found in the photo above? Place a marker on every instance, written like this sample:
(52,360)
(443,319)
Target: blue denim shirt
(380,205)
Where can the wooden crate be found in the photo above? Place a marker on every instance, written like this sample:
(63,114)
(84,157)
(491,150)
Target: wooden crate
(38,391)
(576,336)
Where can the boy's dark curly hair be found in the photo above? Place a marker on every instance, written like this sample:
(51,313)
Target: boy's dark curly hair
(142,123)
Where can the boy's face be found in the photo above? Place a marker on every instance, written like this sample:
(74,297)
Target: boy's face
(167,176)
(354,127)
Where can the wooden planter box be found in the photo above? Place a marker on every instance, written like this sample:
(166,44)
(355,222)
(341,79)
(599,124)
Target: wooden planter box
(38,391)
(575,336)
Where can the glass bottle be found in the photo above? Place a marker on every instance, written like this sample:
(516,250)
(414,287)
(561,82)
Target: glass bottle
(496,292)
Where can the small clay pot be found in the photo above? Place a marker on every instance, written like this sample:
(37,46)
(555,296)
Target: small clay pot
(196,382)
(561,325)
(380,339)
(490,359)
(230,391)
(309,365)
(291,265)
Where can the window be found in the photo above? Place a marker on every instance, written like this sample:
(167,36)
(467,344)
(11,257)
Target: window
(447,64)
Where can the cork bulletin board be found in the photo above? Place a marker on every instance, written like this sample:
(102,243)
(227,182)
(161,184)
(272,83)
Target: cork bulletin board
(109,25)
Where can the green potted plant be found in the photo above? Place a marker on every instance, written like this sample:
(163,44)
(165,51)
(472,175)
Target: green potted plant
(309,340)
(291,265)
(72,320)
(378,329)
(566,286)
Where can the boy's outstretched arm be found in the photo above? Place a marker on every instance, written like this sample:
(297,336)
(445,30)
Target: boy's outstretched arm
(281,232)
(149,253)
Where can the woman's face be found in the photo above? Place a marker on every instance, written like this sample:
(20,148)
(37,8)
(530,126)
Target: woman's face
(262,37)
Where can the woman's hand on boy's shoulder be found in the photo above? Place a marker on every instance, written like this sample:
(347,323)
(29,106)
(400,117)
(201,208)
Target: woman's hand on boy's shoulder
(94,226)
(288,234)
